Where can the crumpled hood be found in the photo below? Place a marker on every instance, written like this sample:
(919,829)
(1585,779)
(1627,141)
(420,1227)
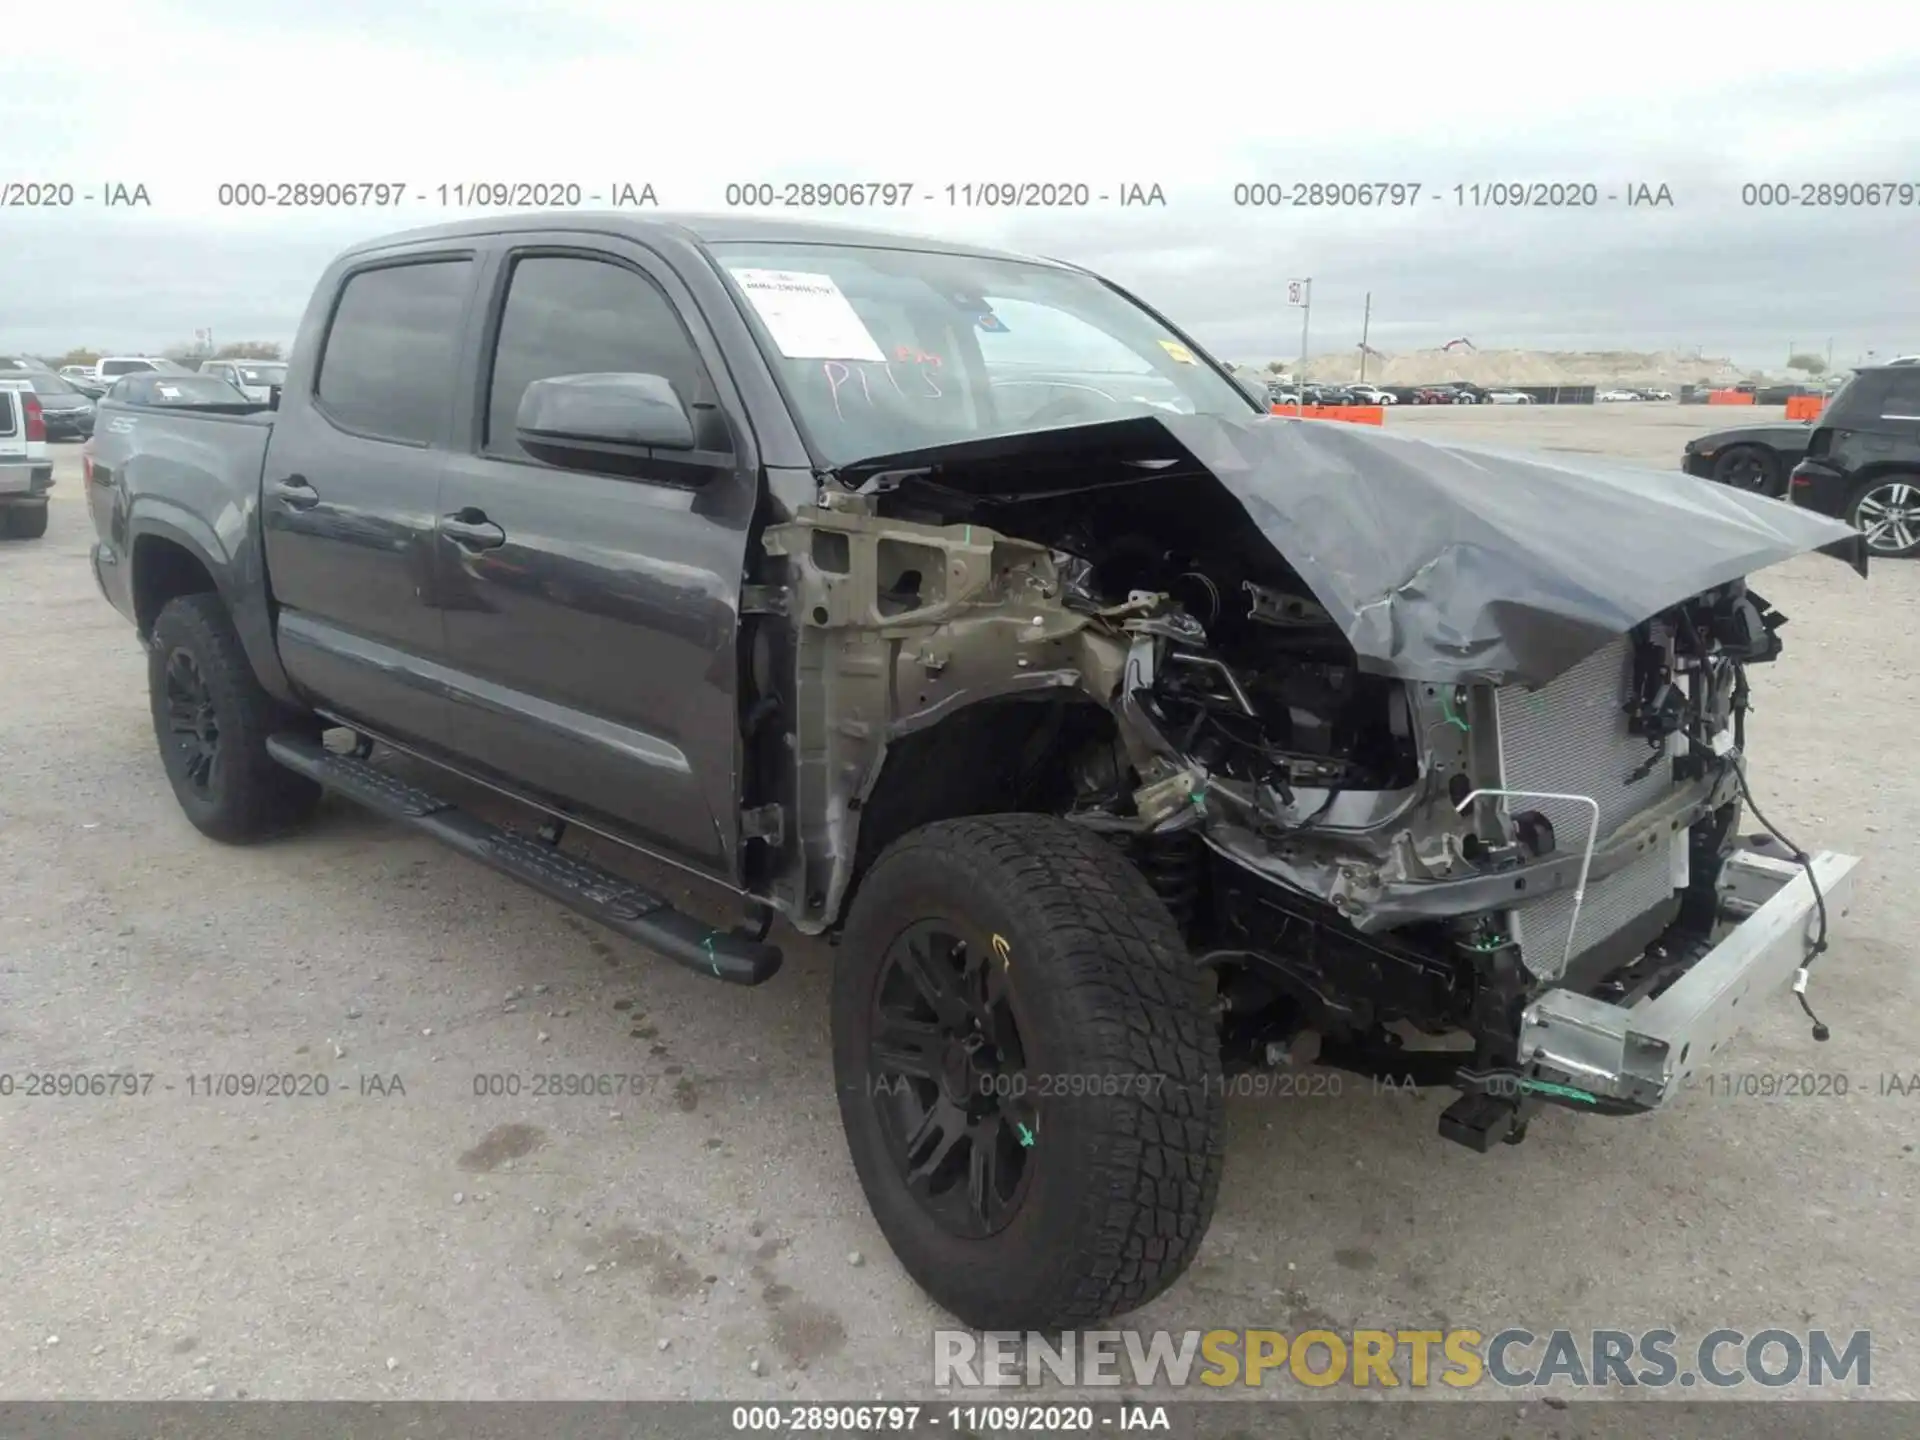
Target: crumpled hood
(1440,562)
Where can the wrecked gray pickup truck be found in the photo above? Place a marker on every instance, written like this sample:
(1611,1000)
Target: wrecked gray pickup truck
(956,607)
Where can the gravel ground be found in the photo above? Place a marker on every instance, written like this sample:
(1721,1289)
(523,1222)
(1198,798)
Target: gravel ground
(703,1234)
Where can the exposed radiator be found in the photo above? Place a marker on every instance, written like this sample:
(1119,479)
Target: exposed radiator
(1571,736)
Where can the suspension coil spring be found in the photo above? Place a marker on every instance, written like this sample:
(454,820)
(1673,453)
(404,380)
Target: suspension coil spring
(1174,865)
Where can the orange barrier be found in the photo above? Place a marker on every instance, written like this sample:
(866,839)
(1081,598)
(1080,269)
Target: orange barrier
(1805,407)
(1352,414)
(1729,397)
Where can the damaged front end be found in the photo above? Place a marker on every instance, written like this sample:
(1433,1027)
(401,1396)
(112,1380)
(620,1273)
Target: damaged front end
(1429,803)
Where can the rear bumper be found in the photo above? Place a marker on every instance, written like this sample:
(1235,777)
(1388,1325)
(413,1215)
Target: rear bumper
(1641,1056)
(1820,487)
(65,425)
(27,480)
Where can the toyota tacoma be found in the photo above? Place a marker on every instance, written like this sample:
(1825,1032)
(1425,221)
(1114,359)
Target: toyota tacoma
(958,608)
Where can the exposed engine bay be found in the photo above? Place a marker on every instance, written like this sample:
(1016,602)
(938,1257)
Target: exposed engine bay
(1363,853)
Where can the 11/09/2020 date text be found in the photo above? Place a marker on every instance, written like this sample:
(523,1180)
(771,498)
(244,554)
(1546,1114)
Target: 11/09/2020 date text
(459,195)
(960,195)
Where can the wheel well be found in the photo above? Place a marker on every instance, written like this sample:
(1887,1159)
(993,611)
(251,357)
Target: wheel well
(164,570)
(996,757)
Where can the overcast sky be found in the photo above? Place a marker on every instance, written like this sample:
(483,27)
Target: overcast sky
(180,96)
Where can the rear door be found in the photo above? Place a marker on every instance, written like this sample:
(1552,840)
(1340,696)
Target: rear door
(595,632)
(351,492)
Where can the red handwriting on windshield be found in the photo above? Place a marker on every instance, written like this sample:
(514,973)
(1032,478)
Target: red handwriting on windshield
(920,367)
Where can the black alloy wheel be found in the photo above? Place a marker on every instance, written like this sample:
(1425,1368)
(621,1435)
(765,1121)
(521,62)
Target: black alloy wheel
(192,726)
(949,1077)
(1747,468)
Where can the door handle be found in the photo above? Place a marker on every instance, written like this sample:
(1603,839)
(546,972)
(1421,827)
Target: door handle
(471,530)
(296,492)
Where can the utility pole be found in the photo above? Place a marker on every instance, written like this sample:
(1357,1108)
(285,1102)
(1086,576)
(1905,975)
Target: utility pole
(1306,319)
(1366,324)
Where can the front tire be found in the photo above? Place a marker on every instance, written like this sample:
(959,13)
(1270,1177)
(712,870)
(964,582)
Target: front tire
(212,719)
(1029,1072)
(1748,467)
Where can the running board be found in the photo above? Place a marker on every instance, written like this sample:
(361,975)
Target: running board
(598,894)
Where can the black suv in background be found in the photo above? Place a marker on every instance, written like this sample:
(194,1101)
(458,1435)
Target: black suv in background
(1863,459)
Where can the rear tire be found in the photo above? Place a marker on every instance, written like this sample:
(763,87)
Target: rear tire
(26,522)
(212,719)
(1889,506)
(1091,1039)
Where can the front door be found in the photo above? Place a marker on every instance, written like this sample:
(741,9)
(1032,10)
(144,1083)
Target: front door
(591,616)
(351,489)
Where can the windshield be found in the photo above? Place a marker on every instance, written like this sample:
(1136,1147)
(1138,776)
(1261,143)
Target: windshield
(124,367)
(886,350)
(263,374)
(52,385)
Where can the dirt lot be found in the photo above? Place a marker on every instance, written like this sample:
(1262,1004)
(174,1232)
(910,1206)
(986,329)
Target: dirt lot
(403,1236)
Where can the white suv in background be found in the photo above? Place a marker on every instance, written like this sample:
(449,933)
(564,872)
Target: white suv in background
(253,377)
(26,469)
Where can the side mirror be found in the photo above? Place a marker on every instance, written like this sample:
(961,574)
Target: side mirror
(566,418)
(273,397)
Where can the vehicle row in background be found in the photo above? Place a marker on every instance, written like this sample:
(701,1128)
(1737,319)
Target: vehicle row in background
(26,470)
(1285,391)
(1858,462)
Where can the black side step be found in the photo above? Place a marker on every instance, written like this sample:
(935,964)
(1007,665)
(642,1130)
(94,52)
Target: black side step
(598,894)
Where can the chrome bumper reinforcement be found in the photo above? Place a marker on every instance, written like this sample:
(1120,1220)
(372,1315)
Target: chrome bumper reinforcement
(1643,1054)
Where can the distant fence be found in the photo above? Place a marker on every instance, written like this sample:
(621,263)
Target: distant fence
(1558,394)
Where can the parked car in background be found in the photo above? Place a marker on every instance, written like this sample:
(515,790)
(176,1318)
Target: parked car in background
(110,368)
(1749,457)
(1656,395)
(26,469)
(255,377)
(1863,459)
(186,389)
(1609,397)
(68,410)
(1509,397)
(1366,394)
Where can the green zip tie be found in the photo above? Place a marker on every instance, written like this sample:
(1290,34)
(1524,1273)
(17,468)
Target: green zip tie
(707,945)
(1446,709)
(1026,1135)
(1566,1092)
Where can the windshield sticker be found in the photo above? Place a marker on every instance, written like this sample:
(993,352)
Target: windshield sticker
(172,392)
(807,316)
(992,324)
(1178,352)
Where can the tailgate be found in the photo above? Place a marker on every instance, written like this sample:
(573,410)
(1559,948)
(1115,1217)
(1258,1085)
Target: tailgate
(16,473)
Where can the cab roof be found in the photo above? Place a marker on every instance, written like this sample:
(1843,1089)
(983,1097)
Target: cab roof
(699,229)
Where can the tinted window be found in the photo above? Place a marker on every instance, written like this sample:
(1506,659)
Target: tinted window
(393,348)
(123,367)
(567,316)
(1874,395)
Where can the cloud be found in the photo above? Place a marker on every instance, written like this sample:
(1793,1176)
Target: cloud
(186,98)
